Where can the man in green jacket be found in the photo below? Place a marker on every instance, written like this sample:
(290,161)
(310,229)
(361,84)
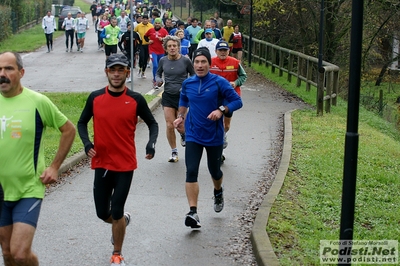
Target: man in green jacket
(110,35)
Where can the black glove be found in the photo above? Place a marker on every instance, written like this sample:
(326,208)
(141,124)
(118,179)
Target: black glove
(88,147)
(151,149)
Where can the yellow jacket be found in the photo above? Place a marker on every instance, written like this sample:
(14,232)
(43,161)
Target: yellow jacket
(142,29)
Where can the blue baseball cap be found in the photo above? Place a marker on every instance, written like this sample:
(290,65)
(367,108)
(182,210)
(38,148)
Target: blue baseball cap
(208,31)
(222,45)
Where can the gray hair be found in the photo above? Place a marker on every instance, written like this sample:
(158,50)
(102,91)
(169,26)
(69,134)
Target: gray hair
(171,38)
(18,59)
(178,31)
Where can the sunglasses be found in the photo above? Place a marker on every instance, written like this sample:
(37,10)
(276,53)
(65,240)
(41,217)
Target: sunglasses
(117,70)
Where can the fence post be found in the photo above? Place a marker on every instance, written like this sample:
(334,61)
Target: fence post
(281,59)
(335,86)
(299,69)
(273,59)
(309,75)
(320,91)
(328,101)
(290,68)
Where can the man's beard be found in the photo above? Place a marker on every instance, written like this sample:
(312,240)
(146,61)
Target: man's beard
(117,86)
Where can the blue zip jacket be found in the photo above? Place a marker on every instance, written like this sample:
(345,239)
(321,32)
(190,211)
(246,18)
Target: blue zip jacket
(205,95)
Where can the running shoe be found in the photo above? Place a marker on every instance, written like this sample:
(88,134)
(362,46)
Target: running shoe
(219,201)
(66,50)
(143,76)
(117,260)
(128,79)
(148,65)
(139,73)
(192,220)
(174,157)
(225,141)
(155,85)
(183,140)
(127,216)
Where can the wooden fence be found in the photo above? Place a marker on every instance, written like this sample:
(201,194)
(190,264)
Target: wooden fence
(300,66)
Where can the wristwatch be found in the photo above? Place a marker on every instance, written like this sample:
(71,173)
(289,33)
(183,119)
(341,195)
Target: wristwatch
(222,109)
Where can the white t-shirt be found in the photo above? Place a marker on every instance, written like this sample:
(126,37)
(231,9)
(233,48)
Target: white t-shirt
(210,45)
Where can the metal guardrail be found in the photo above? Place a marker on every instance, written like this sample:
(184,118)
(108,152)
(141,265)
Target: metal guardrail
(301,66)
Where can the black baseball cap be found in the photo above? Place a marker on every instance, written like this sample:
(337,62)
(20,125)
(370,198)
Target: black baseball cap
(117,59)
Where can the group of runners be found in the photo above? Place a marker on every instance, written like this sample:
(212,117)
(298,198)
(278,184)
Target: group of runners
(201,93)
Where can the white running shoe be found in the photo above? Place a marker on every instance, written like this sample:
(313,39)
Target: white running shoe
(174,157)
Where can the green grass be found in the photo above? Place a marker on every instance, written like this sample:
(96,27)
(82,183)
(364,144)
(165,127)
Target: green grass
(308,208)
(26,41)
(70,104)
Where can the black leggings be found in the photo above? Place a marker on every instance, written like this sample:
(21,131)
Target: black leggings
(49,40)
(69,34)
(193,153)
(111,188)
(192,48)
(143,57)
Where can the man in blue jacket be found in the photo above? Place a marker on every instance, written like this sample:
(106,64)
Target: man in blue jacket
(204,128)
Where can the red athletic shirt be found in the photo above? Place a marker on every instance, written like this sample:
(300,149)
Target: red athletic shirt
(115,116)
(157,45)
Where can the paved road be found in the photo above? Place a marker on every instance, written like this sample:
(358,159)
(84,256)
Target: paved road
(69,230)
(69,233)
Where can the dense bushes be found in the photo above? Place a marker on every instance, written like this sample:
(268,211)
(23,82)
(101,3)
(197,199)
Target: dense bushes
(5,22)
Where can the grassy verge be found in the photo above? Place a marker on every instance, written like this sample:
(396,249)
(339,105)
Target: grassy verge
(308,207)
(70,104)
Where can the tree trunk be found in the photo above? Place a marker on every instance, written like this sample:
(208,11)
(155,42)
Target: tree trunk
(381,74)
